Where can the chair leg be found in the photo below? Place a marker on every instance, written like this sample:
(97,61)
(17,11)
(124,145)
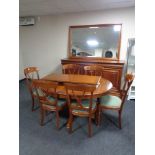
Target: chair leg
(32,103)
(57,119)
(70,123)
(99,116)
(98,112)
(42,116)
(89,127)
(96,118)
(119,119)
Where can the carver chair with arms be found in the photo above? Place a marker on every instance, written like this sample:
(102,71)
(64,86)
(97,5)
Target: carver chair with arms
(81,104)
(30,74)
(49,99)
(111,102)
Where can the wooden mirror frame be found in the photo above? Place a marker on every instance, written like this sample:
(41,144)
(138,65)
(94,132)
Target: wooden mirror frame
(92,58)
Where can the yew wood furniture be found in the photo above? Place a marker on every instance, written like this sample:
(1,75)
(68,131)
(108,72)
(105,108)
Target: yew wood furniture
(30,74)
(102,85)
(112,70)
(111,102)
(70,69)
(95,70)
(49,99)
(81,105)
(71,78)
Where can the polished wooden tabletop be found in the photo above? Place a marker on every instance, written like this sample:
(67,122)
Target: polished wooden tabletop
(102,85)
(74,78)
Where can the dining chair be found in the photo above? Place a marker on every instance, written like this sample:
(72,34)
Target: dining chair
(80,104)
(94,70)
(112,102)
(30,74)
(49,99)
(71,69)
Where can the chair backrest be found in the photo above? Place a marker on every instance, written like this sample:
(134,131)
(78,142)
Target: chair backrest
(45,89)
(94,70)
(30,74)
(70,69)
(76,93)
(128,81)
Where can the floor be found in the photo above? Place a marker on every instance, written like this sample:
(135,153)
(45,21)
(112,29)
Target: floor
(107,139)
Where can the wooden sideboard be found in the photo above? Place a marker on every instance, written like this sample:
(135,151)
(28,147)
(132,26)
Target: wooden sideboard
(112,68)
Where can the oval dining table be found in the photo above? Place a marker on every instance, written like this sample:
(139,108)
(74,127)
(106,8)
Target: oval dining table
(102,85)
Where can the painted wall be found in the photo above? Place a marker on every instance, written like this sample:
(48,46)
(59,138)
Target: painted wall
(21,64)
(45,44)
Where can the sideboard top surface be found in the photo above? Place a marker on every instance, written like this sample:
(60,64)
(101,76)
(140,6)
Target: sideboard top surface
(116,62)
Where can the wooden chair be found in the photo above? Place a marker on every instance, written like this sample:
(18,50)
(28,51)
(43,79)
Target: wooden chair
(94,70)
(80,104)
(49,99)
(30,74)
(112,102)
(70,69)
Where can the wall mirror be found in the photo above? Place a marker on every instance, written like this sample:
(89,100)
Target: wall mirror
(97,41)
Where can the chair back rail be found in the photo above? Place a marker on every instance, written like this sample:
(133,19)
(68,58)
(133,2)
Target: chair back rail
(71,69)
(128,81)
(94,70)
(45,88)
(78,92)
(30,74)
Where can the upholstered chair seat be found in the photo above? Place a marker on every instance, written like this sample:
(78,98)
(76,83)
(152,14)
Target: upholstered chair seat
(111,101)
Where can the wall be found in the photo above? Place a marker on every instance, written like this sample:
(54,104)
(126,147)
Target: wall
(45,43)
(21,64)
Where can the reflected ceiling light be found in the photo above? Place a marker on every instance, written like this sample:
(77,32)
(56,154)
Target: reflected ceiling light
(93,27)
(117,28)
(92,42)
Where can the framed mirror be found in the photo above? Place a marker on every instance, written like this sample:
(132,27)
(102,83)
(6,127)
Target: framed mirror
(95,41)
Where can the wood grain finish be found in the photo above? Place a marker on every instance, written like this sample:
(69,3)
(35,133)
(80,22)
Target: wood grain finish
(30,74)
(76,106)
(123,93)
(102,85)
(112,69)
(70,69)
(46,105)
(81,79)
(94,70)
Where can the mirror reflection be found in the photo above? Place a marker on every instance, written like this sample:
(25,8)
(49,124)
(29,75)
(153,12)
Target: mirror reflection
(95,41)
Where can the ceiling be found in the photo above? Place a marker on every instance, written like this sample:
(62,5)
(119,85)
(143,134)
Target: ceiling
(51,7)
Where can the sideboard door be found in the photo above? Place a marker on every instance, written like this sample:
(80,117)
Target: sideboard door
(114,76)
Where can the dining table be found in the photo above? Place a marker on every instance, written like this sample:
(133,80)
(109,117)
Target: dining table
(102,85)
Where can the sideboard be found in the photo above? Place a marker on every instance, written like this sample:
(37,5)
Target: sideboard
(112,68)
